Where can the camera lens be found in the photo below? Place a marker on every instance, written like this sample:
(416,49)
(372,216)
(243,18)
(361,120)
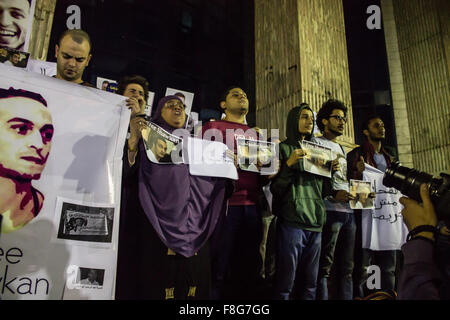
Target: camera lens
(406,180)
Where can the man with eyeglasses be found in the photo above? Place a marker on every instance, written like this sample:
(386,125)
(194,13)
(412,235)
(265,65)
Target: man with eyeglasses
(340,223)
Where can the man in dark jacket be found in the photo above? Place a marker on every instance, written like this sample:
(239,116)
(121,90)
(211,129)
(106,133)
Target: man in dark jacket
(373,152)
(297,201)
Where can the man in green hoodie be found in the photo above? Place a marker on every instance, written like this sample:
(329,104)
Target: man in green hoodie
(297,201)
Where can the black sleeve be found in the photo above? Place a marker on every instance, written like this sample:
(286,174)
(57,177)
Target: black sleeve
(130,173)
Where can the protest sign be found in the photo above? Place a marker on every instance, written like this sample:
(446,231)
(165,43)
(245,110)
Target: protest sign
(210,158)
(66,141)
(256,156)
(161,146)
(363,192)
(318,158)
(383,227)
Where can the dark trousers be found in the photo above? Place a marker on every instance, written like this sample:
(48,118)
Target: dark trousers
(386,261)
(148,270)
(235,256)
(389,262)
(339,226)
(298,253)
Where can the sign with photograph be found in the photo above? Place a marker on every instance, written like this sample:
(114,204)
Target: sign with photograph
(61,146)
(256,156)
(318,159)
(363,193)
(161,146)
(382,227)
(103,83)
(14,58)
(84,223)
(17,21)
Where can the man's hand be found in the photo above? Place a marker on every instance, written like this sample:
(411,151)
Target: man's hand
(335,165)
(136,126)
(360,166)
(136,105)
(416,214)
(343,196)
(296,155)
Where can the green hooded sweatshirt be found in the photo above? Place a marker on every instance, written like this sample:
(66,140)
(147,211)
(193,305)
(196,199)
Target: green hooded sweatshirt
(297,194)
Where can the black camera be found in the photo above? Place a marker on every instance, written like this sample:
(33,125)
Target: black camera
(408,182)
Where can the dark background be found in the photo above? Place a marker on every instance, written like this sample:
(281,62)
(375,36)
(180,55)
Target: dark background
(204,46)
(200,46)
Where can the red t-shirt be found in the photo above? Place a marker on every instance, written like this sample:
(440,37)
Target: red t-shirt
(247,186)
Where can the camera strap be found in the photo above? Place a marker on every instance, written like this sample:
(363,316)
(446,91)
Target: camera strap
(419,229)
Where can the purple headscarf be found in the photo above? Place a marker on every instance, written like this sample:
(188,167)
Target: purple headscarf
(183,209)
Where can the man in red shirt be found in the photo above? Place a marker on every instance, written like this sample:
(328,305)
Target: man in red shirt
(235,242)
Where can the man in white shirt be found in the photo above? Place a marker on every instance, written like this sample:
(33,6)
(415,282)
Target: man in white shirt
(340,223)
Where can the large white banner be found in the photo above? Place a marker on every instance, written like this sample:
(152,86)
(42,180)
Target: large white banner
(383,227)
(60,176)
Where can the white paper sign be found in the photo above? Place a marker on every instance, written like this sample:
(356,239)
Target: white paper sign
(86,132)
(383,227)
(210,158)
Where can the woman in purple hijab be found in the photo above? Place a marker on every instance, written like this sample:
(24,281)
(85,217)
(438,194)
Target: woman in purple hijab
(175,217)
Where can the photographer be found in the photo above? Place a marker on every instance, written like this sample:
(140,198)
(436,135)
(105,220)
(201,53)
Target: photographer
(421,278)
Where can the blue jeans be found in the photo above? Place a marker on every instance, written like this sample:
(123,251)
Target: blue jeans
(339,226)
(298,253)
(235,254)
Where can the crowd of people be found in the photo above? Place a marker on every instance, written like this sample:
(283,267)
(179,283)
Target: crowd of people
(289,235)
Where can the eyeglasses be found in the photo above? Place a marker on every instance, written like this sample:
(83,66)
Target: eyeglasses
(339,118)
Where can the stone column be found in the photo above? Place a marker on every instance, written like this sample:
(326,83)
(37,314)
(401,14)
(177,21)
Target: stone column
(423,46)
(397,88)
(42,28)
(300,56)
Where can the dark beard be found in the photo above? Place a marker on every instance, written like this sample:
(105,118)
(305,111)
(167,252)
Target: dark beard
(375,139)
(336,133)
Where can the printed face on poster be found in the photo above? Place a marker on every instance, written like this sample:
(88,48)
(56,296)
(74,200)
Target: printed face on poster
(318,159)
(60,169)
(106,84)
(256,156)
(186,97)
(363,193)
(14,58)
(161,146)
(16,23)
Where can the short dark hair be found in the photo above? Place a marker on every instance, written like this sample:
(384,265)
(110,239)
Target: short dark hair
(12,93)
(77,35)
(224,95)
(154,139)
(326,110)
(125,81)
(365,125)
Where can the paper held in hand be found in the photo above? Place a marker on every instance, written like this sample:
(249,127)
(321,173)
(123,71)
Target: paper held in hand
(318,159)
(257,156)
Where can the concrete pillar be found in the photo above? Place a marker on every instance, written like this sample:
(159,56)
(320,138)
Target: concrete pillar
(42,28)
(300,56)
(423,47)
(397,88)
